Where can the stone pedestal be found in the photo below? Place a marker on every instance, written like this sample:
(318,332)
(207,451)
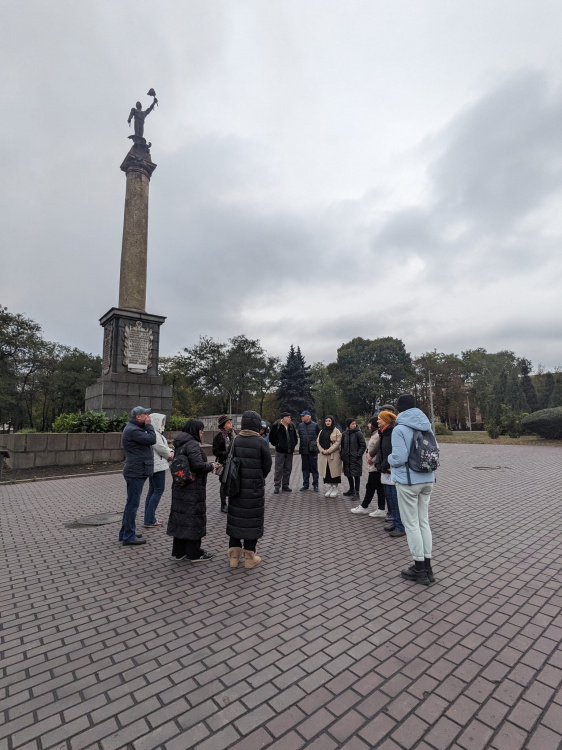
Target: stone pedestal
(130,365)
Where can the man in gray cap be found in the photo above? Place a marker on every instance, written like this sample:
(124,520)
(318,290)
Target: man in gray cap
(138,438)
(283,437)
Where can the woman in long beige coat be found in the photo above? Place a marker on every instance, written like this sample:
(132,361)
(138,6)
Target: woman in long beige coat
(330,468)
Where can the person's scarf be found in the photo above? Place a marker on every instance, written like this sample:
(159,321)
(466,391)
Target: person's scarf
(228,436)
(326,433)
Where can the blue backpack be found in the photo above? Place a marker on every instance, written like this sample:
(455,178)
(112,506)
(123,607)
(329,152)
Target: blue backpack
(424,453)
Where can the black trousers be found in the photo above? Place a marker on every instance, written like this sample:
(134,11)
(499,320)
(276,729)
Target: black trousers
(189,547)
(374,484)
(249,544)
(223,495)
(309,466)
(354,483)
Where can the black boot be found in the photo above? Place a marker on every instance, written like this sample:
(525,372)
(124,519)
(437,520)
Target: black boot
(417,573)
(224,507)
(429,570)
(349,493)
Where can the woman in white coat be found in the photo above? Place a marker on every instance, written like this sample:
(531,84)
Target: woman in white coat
(330,468)
(163,454)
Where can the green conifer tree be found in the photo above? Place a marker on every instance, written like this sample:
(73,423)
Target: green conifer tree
(527,386)
(556,397)
(295,385)
(547,390)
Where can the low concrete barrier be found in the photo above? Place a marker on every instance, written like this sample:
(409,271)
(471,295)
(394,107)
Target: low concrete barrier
(61,449)
(70,448)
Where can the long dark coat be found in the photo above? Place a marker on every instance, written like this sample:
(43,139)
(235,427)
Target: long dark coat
(246,510)
(188,514)
(353,447)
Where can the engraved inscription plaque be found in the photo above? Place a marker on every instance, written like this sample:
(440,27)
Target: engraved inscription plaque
(137,349)
(107,348)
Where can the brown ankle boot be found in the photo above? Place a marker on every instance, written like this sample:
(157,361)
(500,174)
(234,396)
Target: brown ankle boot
(234,556)
(251,559)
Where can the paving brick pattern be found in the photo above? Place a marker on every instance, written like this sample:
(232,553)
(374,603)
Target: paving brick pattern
(322,646)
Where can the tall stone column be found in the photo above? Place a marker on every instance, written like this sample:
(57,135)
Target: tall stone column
(131,335)
(138,166)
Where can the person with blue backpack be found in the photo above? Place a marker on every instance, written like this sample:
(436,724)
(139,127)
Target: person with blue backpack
(414,458)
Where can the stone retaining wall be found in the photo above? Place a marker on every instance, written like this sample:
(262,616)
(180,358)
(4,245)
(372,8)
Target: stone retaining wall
(69,449)
(61,449)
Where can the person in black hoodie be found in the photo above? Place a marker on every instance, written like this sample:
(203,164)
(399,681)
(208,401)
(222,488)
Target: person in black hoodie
(187,523)
(353,447)
(221,444)
(386,422)
(246,509)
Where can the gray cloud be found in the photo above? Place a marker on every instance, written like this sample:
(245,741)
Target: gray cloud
(289,203)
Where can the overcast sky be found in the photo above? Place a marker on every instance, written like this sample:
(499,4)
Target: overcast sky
(326,169)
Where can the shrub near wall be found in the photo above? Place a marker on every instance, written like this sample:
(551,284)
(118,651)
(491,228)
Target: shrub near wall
(547,423)
(90,421)
(98,421)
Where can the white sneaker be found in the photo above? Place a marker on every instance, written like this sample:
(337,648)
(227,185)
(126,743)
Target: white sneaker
(378,513)
(360,511)
(334,492)
(329,493)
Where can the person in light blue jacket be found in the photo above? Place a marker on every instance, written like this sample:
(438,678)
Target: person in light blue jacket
(413,496)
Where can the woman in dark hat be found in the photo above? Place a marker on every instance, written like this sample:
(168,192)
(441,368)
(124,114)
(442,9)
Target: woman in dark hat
(221,444)
(246,509)
(188,514)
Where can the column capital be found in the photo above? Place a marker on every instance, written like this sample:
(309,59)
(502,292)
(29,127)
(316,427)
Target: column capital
(139,159)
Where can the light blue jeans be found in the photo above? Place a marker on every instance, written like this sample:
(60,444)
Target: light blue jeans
(413,501)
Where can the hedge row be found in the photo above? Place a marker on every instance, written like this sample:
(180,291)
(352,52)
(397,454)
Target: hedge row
(95,421)
(547,423)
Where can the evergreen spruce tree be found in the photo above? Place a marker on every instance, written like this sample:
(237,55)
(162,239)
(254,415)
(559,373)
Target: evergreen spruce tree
(497,398)
(515,398)
(556,397)
(295,385)
(527,386)
(547,390)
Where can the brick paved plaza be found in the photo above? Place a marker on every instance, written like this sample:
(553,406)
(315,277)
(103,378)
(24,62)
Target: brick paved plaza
(322,646)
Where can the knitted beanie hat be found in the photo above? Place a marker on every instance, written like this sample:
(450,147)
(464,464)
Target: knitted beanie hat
(387,416)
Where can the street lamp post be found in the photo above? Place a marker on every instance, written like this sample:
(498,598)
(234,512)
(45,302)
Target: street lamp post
(431,402)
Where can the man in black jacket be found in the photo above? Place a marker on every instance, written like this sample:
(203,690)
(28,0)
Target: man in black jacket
(284,437)
(137,440)
(308,432)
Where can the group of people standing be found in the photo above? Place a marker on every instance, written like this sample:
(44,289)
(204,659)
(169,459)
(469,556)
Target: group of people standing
(402,495)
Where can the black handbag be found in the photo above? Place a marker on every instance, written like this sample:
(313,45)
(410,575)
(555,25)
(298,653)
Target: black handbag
(313,447)
(230,478)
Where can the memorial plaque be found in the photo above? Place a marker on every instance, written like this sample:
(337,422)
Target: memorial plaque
(107,348)
(137,349)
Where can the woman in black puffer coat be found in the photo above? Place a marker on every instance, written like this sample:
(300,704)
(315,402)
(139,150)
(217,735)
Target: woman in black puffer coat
(246,509)
(353,448)
(188,514)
